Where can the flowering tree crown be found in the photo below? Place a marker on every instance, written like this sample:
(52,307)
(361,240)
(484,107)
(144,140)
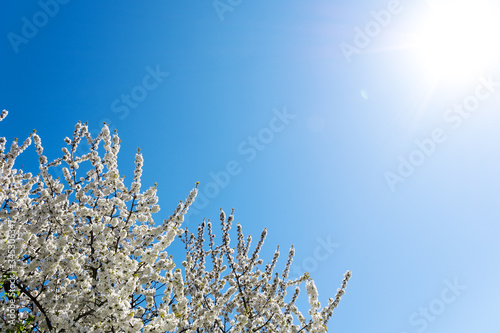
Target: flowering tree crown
(84,254)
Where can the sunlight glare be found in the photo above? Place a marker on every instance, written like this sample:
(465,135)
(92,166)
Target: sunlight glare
(459,38)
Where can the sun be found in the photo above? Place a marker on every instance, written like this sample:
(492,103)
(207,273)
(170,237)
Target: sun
(459,38)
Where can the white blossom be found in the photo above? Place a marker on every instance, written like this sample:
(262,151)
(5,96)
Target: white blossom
(89,257)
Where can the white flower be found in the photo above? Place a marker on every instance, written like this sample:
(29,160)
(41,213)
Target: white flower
(104,263)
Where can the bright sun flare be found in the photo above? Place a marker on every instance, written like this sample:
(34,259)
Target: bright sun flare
(459,38)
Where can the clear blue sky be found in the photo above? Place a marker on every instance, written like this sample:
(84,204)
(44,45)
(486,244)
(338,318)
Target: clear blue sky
(301,131)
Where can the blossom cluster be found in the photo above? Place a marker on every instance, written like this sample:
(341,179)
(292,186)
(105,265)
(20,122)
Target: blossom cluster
(89,256)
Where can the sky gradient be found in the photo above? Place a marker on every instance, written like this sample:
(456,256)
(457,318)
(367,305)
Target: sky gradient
(316,119)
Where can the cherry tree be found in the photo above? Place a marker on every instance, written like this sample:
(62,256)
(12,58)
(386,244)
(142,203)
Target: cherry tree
(82,253)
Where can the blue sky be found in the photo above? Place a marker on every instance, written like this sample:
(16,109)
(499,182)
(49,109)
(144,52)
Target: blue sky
(362,156)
